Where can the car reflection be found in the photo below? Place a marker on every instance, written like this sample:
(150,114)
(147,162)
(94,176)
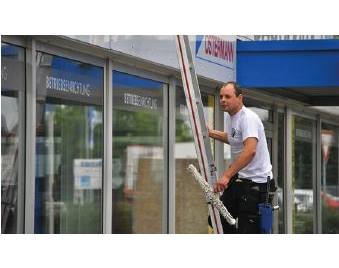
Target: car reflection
(330,201)
(303,199)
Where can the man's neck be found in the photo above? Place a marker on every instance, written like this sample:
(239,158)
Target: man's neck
(237,110)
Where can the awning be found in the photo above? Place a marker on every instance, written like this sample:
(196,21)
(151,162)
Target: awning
(305,70)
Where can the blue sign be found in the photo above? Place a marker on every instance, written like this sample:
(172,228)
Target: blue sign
(85,181)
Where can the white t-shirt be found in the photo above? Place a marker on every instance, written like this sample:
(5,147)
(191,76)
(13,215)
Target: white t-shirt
(239,127)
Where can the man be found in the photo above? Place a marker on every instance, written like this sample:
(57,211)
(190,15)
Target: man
(244,182)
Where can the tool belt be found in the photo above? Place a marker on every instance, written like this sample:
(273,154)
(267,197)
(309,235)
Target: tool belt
(243,185)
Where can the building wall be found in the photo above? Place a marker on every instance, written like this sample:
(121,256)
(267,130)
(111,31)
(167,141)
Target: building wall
(214,55)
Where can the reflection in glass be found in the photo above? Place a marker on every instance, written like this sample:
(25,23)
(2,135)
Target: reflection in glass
(264,115)
(138,161)
(12,128)
(68,182)
(329,179)
(303,169)
(190,207)
(263,110)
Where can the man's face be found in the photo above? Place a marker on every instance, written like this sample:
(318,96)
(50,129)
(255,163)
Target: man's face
(229,101)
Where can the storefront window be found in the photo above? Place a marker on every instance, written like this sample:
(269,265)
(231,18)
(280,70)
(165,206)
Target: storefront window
(12,132)
(69,146)
(303,172)
(138,156)
(263,110)
(329,179)
(191,212)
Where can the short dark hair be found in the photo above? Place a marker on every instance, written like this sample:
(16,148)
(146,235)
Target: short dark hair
(236,86)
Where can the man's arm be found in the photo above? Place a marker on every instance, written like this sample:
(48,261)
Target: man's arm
(245,157)
(217,135)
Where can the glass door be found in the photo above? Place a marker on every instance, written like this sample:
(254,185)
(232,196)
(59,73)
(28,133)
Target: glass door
(69,151)
(303,172)
(329,179)
(191,212)
(12,136)
(138,155)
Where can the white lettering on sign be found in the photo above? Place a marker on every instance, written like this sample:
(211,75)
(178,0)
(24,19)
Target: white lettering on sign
(4,73)
(303,133)
(73,87)
(219,48)
(140,101)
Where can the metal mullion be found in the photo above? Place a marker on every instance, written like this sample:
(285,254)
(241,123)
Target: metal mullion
(275,161)
(288,202)
(171,154)
(30,156)
(107,161)
(317,180)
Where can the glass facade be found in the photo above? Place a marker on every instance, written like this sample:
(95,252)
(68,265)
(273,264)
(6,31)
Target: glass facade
(69,146)
(69,156)
(191,211)
(12,132)
(329,179)
(138,155)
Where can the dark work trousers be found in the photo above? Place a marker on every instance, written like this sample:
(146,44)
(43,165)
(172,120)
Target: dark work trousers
(242,198)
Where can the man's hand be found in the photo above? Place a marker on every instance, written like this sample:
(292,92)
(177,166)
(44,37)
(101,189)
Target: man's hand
(221,184)
(209,131)
(217,135)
